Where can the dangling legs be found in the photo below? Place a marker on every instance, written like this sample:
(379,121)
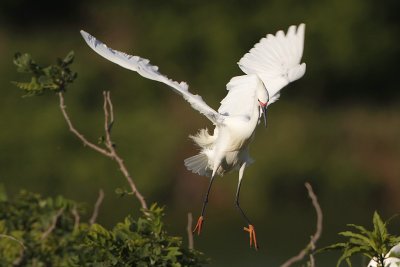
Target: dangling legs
(249,229)
(201,218)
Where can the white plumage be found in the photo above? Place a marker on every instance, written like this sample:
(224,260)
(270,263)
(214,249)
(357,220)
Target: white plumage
(269,66)
(276,60)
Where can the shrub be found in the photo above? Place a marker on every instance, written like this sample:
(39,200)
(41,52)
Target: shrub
(37,231)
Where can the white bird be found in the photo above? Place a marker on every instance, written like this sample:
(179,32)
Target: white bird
(273,63)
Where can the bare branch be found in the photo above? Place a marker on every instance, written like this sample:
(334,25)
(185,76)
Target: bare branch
(108,112)
(314,238)
(110,106)
(318,210)
(75,132)
(53,224)
(312,261)
(76,216)
(189,231)
(110,148)
(97,207)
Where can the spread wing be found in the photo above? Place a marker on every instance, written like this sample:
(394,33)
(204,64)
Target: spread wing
(145,69)
(276,60)
(240,99)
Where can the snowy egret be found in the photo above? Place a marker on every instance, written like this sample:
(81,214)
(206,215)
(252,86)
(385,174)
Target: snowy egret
(273,63)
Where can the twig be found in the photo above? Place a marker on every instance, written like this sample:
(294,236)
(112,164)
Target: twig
(75,132)
(74,212)
(18,260)
(108,113)
(14,239)
(110,147)
(97,207)
(53,224)
(314,238)
(189,230)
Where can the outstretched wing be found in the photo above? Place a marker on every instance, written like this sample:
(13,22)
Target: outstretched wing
(145,69)
(241,95)
(276,60)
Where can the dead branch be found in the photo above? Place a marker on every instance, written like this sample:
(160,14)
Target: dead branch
(75,213)
(75,132)
(110,147)
(314,238)
(108,114)
(53,224)
(97,207)
(189,231)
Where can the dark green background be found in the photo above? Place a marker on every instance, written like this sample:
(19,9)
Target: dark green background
(338,127)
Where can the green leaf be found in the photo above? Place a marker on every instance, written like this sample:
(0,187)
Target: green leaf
(361,229)
(362,240)
(53,78)
(346,256)
(372,244)
(69,58)
(336,246)
(379,225)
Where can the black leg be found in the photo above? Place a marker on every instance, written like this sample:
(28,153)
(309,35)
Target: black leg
(206,197)
(238,205)
(250,229)
(201,218)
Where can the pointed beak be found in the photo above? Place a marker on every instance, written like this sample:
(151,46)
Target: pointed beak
(263,107)
(264,111)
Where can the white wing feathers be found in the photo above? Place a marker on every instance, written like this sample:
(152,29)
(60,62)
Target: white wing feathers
(145,69)
(276,60)
(241,95)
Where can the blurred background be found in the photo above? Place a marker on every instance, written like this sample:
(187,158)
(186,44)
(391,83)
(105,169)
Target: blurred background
(338,127)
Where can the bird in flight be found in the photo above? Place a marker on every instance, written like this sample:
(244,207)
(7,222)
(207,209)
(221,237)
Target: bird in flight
(269,66)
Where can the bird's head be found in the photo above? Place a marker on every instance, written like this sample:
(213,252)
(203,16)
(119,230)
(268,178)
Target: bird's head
(263,98)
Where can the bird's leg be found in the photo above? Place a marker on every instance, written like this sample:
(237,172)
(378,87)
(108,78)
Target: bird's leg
(201,218)
(250,229)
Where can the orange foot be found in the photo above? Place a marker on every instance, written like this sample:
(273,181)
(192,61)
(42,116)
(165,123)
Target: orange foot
(252,233)
(199,225)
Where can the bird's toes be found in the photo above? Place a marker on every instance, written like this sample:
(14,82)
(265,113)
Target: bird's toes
(199,225)
(252,235)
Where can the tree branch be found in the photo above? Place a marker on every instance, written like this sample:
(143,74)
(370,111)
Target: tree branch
(189,231)
(97,207)
(75,213)
(75,132)
(108,113)
(309,249)
(110,147)
(53,224)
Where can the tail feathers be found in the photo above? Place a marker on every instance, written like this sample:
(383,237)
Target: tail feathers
(203,139)
(198,164)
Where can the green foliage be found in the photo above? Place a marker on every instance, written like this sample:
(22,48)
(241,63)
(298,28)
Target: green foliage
(37,231)
(54,77)
(373,244)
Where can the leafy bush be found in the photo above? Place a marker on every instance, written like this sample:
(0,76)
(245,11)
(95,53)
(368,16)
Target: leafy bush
(37,231)
(47,232)
(374,244)
(54,77)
